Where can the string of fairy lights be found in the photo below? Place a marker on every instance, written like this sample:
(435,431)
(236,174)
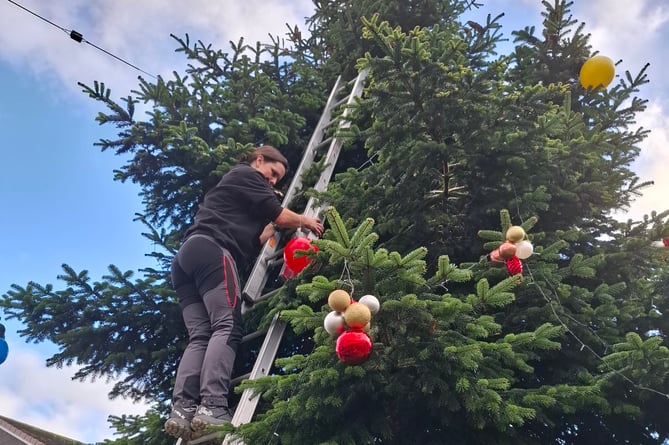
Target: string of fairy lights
(556,301)
(78,37)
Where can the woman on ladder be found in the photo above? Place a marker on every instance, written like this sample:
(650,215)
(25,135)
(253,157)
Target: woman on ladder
(231,225)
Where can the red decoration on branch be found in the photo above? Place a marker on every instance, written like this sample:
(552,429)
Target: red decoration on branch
(514,266)
(665,241)
(353,347)
(297,264)
(507,250)
(495,258)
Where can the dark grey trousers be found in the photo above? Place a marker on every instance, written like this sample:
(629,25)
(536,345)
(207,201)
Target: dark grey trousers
(205,279)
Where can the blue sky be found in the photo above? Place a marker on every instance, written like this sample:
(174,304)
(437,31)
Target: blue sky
(59,203)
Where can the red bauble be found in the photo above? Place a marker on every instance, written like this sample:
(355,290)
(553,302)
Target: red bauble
(495,258)
(353,347)
(514,266)
(507,250)
(297,264)
(665,241)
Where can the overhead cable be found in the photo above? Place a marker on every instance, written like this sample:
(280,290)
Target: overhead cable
(78,37)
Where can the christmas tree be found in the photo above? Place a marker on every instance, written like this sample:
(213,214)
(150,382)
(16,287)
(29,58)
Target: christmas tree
(451,145)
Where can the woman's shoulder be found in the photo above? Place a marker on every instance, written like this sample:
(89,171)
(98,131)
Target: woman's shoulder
(243,173)
(240,170)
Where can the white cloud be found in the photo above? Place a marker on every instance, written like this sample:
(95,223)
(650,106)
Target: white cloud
(137,32)
(49,399)
(651,164)
(622,24)
(633,32)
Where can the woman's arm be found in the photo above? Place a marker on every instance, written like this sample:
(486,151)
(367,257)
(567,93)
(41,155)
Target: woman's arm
(291,220)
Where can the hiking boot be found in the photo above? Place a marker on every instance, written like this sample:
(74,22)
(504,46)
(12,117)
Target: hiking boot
(210,415)
(178,425)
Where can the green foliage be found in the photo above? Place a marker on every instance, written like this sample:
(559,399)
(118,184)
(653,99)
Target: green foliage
(108,327)
(442,351)
(201,123)
(637,360)
(145,429)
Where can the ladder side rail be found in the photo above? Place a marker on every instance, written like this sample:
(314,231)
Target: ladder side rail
(335,146)
(334,150)
(255,283)
(316,138)
(261,368)
(313,208)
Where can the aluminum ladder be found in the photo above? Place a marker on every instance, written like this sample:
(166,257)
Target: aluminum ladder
(343,93)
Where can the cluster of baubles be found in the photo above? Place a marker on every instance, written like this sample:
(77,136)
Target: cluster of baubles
(664,242)
(511,251)
(349,321)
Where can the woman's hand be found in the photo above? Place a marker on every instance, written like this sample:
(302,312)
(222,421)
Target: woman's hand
(267,233)
(291,220)
(313,224)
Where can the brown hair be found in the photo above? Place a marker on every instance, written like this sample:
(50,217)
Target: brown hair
(268,152)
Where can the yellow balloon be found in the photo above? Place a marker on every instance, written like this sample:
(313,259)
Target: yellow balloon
(597,72)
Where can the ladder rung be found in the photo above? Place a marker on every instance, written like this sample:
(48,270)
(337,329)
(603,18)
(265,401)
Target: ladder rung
(324,143)
(342,86)
(254,335)
(272,256)
(343,100)
(261,297)
(203,439)
(275,262)
(356,79)
(210,438)
(267,295)
(237,380)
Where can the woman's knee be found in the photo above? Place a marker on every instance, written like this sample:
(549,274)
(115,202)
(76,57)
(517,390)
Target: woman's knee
(199,338)
(199,332)
(228,325)
(197,322)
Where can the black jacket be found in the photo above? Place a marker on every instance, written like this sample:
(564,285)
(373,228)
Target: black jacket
(236,211)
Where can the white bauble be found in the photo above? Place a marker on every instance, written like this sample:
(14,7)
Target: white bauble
(371,302)
(333,322)
(524,249)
